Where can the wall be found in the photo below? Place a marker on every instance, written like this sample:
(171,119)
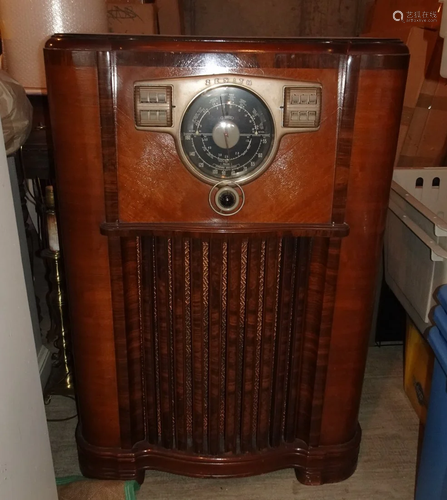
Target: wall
(26,467)
(282,18)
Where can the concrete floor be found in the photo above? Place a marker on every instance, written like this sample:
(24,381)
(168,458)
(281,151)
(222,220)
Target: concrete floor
(387,462)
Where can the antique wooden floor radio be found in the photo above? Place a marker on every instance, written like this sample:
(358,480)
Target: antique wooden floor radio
(222,204)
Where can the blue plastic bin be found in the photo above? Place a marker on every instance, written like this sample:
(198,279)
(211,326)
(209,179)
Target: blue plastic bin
(432,476)
(442,296)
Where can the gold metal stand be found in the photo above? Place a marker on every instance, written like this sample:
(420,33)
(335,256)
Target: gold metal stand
(58,334)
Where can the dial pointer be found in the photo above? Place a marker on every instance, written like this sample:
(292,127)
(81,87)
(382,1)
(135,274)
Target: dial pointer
(224,130)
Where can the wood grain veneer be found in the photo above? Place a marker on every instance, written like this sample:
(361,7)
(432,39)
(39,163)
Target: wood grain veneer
(208,346)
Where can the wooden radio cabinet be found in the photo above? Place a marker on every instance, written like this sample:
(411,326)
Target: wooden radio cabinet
(222,205)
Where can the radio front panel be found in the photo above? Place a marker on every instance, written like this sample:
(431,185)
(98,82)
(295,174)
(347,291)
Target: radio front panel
(262,115)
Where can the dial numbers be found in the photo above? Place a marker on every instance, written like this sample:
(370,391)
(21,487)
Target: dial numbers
(227,133)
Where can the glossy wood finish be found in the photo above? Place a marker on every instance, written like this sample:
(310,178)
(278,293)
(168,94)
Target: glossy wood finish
(210,346)
(360,253)
(379,47)
(147,196)
(272,279)
(77,137)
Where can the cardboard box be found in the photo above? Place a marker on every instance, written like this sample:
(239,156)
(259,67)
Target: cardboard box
(425,142)
(169,17)
(421,43)
(419,361)
(421,39)
(132,18)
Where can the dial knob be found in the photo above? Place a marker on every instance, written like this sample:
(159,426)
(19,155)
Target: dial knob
(227,198)
(226,134)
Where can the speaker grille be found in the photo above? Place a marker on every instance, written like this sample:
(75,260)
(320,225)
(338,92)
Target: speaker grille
(225,325)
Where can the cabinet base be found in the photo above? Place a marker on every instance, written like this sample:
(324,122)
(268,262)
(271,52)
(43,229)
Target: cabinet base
(313,465)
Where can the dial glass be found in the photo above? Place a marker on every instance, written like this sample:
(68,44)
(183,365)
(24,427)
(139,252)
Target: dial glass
(227,133)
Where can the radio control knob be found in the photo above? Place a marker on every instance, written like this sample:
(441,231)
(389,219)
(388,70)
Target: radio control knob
(227,198)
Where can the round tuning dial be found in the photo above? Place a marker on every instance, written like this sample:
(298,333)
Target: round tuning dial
(227,133)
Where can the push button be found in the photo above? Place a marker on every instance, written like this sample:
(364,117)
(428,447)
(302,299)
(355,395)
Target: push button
(153,106)
(302,107)
(153,95)
(294,98)
(153,118)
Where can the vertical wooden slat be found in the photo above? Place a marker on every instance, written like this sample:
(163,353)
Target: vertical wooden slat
(223,340)
(290,331)
(251,317)
(215,324)
(119,327)
(149,340)
(171,343)
(164,325)
(259,341)
(188,346)
(139,262)
(348,76)
(301,281)
(280,373)
(267,348)
(156,338)
(197,343)
(233,310)
(314,301)
(206,341)
(241,343)
(179,304)
(106,74)
(133,335)
(324,339)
